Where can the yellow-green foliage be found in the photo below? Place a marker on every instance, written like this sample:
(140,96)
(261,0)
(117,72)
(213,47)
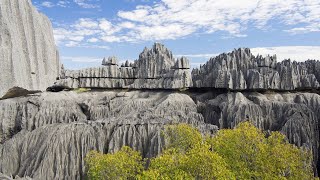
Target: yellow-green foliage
(124,164)
(82,90)
(250,155)
(182,137)
(242,153)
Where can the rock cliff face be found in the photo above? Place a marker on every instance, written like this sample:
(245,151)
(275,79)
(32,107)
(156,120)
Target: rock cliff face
(155,69)
(48,135)
(28,55)
(294,114)
(240,70)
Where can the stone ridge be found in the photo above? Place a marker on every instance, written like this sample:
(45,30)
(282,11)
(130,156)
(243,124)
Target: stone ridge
(48,136)
(58,129)
(28,55)
(238,70)
(155,69)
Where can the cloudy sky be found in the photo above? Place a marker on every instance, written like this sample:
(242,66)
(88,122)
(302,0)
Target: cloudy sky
(87,30)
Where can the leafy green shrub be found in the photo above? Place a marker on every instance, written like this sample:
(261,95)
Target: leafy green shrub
(124,164)
(242,153)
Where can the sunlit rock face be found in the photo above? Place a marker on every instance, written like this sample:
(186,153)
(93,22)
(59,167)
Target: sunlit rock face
(28,55)
(156,68)
(58,129)
(240,70)
(47,135)
(296,115)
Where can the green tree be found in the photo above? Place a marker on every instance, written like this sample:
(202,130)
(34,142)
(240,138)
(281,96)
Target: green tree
(124,164)
(182,137)
(242,153)
(187,156)
(250,155)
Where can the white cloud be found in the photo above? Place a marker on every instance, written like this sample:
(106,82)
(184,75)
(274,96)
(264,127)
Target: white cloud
(47,4)
(172,19)
(197,55)
(298,53)
(93,40)
(86,23)
(96,47)
(127,25)
(88,4)
(76,38)
(63,3)
(72,44)
(81,59)
(234,17)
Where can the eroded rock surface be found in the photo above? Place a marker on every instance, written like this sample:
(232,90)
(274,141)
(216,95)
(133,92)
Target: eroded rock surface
(155,69)
(28,55)
(47,136)
(296,115)
(241,70)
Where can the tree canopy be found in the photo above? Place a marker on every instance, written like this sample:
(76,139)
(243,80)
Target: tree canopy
(241,153)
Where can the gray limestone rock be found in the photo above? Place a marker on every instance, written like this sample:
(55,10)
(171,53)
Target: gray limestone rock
(182,63)
(28,55)
(111,61)
(240,70)
(294,114)
(58,129)
(155,69)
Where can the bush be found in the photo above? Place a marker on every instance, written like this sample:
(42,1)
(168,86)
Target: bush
(250,155)
(124,164)
(242,153)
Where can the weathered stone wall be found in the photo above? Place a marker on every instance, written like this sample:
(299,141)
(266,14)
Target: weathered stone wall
(28,55)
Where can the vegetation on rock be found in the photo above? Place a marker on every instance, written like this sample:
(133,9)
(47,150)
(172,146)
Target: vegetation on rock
(241,153)
(17,92)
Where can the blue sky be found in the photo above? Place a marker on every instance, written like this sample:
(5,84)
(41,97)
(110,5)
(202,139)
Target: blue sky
(88,30)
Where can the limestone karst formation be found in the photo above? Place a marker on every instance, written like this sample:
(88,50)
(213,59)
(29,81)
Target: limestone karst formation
(240,70)
(28,55)
(46,135)
(156,68)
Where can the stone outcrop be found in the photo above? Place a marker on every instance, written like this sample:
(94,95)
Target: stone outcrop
(240,70)
(58,129)
(297,115)
(28,55)
(155,69)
